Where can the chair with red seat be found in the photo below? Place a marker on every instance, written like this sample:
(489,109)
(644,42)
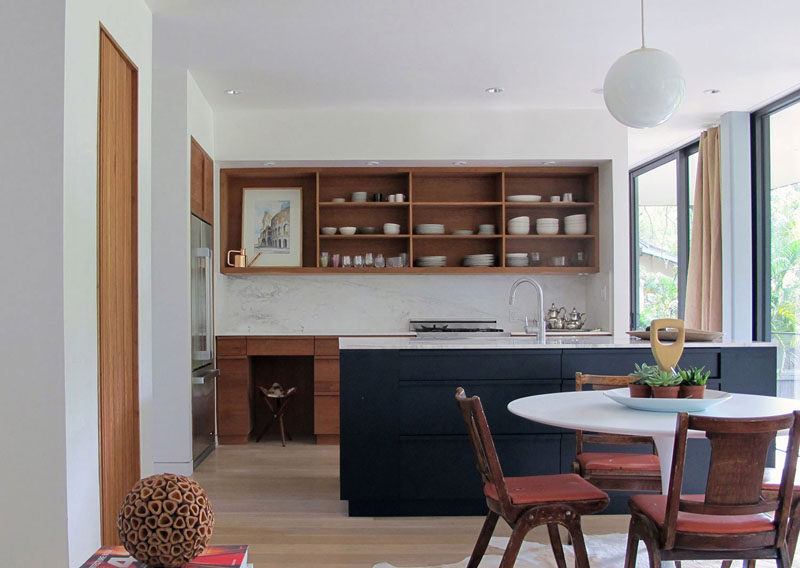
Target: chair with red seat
(526,502)
(614,471)
(734,518)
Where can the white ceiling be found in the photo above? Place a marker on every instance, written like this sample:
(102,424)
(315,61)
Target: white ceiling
(332,54)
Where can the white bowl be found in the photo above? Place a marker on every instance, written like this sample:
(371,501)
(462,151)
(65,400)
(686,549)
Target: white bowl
(524,198)
(391,229)
(574,230)
(523,218)
(338,200)
(358,196)
(516,231)
(328,230)
(347,230)
(547,220)
(547,230)
(578,217)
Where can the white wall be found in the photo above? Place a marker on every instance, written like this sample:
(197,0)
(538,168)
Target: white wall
(33,478)
(179,111)
(265,305)
(130,23)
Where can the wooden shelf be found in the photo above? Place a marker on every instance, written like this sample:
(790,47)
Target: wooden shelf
(459,198)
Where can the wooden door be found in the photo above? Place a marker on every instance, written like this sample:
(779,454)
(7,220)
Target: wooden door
(202,183)
(118,386)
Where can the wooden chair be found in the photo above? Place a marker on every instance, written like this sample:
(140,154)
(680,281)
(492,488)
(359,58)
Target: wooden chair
(526,502)
(614,470)
(276,400)
(734,519)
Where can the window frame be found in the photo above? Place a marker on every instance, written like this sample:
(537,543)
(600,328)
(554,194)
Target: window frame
(762,222)
(681,157)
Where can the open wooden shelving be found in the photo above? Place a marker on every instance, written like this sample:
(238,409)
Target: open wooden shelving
(459,198)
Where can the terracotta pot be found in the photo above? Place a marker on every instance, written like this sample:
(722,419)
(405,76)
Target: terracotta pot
(692,391)
(666,392)
(639,391)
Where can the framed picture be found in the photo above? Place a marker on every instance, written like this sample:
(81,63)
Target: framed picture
(272,225)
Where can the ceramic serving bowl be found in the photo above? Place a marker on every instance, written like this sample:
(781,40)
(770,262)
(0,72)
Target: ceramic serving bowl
(347,230)
(328,230)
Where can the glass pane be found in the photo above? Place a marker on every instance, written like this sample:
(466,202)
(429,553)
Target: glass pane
(658,243)
(784,167)
(691,163)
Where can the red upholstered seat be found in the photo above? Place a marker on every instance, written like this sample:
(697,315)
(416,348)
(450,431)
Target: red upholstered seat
(654,506)
(547,488)
(617,461)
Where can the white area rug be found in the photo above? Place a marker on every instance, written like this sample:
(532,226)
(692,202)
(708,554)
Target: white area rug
(605,551)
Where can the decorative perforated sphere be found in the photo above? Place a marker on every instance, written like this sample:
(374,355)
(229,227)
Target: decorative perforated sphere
(165,520)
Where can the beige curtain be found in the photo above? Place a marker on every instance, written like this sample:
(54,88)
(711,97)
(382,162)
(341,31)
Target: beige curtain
(704,282)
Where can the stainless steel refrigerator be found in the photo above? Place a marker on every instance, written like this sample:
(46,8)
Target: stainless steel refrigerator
(204,373)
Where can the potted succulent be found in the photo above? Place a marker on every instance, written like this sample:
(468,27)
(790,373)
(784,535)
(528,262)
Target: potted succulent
(639,387)
(665,384)
(693,382)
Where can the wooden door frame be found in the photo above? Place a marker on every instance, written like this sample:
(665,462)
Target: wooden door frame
(113,479)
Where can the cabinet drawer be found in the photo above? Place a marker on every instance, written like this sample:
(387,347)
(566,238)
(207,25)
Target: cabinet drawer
(326,346)
(477,364)
(620,361)
(326,415)
(228,346)
(326,375)
(280,345)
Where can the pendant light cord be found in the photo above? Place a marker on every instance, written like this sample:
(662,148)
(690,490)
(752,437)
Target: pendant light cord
(642,24)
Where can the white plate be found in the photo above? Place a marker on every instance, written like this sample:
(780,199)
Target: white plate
(711,398)
(524,197)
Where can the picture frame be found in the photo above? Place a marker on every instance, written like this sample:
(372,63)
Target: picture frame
(272,226)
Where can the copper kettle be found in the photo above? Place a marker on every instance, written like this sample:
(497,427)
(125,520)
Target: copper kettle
(239,258)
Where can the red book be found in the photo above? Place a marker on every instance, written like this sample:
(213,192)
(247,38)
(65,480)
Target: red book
(227,556)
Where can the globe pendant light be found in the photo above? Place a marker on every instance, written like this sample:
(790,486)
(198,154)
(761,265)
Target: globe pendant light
(645,87)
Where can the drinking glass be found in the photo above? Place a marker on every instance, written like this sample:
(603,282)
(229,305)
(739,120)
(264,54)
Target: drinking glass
(323,259)
(358,261)
(346,262)
(368,260)
(536,258)
(335,261)
(379,261)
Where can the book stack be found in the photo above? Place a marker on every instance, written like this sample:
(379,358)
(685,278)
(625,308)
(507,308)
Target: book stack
(227,556)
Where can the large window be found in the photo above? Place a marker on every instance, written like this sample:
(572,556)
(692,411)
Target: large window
(776,132)
(662,193)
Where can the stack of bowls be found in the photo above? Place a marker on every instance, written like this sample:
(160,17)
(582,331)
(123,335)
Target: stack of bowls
(358,196)
(431,261)
(391,229)
(575,224)
(486,229)
(479,260)
(429,229)
(516,259)
(547,226)
(519,225)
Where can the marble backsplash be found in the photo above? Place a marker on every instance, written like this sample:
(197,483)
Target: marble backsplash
(383,304)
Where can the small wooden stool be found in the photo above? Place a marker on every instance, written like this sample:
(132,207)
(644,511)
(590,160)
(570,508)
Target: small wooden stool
(276,400)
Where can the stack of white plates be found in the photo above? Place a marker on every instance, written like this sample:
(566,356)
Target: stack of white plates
(463,232)
(431,261)
(519,225)
(479,260)
(575,224)
(516,259)
(429,229)
(547,226)
(486,229)
(524,198)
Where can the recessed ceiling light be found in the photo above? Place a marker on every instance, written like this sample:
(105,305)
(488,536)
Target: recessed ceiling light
(373,163)
(597,90)
(549,163)
(712,91)
(460,163)
(269,163)
(494,90)
(233,92)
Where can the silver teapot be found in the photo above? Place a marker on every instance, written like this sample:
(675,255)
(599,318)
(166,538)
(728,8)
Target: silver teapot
(574,319)
(554,318)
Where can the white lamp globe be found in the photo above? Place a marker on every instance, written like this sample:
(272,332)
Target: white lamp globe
(644,88)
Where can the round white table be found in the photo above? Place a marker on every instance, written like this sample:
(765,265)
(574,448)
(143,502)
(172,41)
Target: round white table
(592,410)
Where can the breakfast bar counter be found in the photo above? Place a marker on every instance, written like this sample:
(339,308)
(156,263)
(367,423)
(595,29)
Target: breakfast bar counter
(404,450)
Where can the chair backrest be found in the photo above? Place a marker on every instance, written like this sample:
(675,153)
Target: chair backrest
(482,444)
(605,382)
(739,448)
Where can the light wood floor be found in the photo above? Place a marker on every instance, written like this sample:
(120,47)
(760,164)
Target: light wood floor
(284,503)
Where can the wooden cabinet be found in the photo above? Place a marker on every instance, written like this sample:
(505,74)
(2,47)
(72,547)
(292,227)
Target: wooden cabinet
(326,390)
(461,199)
(202,183)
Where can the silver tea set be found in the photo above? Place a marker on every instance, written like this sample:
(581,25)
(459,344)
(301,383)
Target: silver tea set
(559,319)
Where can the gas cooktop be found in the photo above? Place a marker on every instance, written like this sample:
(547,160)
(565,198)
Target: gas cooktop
(456,328)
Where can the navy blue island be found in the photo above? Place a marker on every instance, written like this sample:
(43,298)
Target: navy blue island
(404,450)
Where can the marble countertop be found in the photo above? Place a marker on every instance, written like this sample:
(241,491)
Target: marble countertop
(514,342)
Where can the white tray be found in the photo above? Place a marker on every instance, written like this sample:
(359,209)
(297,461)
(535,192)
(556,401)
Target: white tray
(712,397)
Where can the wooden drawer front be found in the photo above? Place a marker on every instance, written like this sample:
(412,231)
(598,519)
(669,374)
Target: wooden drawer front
(326,375)
(233,397)
(326,415)
(326,346)
(280,345)
(229,346)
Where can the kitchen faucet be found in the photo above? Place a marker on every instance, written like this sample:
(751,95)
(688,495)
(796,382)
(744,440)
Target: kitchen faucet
(535,284)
